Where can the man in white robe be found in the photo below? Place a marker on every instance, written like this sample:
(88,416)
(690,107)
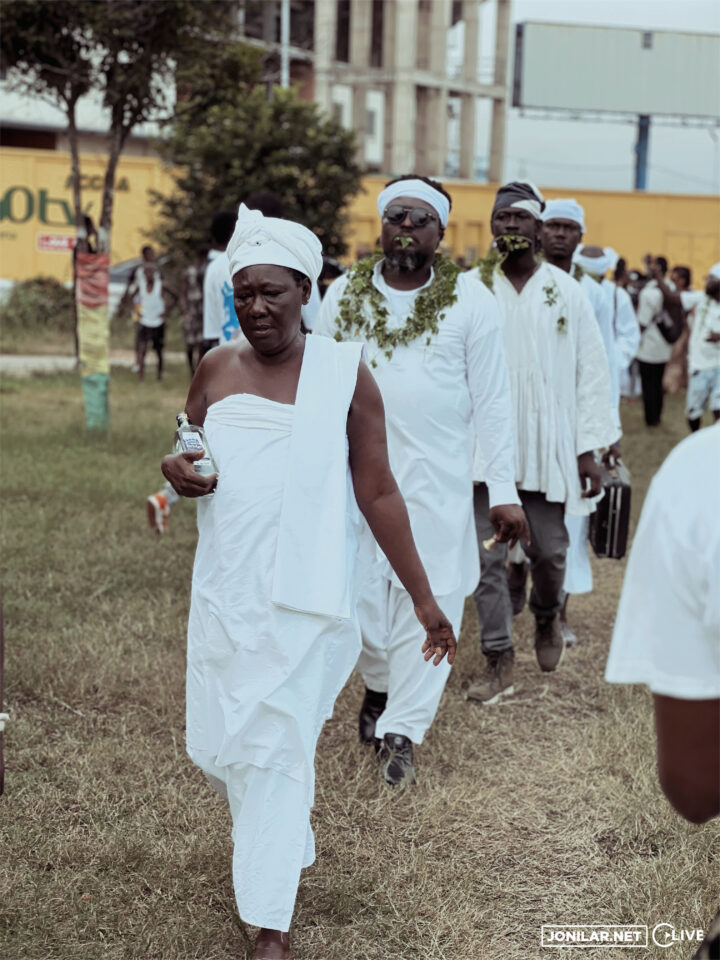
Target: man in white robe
(560,383)
(560,236)
(434,342)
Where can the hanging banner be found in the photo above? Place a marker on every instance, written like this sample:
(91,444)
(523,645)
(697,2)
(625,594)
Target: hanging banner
(91,297)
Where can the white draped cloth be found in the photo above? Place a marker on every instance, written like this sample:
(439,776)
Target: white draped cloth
(560,383)
(262,678)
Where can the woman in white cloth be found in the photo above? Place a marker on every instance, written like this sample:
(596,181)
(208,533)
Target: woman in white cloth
(297,429)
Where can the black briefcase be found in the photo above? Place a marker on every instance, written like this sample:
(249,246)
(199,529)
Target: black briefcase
(609,525)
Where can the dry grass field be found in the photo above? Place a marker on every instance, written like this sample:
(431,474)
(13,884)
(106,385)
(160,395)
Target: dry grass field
(544,809)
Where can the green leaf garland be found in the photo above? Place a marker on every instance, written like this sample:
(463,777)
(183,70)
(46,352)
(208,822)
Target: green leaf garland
(354,320)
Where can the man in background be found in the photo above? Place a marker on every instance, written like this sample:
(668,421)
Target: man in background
(149,292)
(654,351)
(704,347)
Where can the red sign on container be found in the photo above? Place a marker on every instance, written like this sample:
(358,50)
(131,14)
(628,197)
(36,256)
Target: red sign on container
(55,242)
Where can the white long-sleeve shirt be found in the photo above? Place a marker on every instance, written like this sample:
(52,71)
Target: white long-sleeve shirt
(560,383)
(603,315)
(625,326)
(434,395)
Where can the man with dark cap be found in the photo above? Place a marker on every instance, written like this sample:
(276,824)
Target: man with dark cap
(560,384)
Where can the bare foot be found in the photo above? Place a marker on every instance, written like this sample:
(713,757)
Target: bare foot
(272,945)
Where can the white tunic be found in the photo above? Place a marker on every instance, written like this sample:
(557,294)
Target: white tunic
(667,632)
(560,383)
(433,395)
(261,678)
(625,326)
(603,314)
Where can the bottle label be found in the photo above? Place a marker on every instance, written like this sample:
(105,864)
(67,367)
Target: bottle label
(192,442)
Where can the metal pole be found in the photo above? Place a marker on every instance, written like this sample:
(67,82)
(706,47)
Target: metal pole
(642,148)
(285,43)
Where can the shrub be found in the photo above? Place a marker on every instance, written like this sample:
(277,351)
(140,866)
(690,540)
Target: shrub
(38,304)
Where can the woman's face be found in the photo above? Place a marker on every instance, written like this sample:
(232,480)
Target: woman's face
(268,300)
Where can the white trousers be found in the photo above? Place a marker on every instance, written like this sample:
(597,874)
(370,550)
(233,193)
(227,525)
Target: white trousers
(578,572)
(392,661)
(272,837)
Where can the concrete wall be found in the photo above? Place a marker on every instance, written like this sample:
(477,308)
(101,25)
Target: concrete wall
(36,211)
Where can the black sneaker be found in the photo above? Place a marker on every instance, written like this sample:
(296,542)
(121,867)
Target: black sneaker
(395,757)
(372,706)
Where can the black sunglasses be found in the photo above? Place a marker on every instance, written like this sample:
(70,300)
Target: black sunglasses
(419,216)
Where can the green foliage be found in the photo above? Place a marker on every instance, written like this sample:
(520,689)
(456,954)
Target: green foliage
(363,312)
(229,139)
(38,304)
(125,49)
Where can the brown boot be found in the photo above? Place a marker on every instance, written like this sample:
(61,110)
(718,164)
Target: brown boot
(549,643)
(497,679)
(272,945)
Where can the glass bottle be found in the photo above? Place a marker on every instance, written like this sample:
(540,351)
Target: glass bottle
(192,439)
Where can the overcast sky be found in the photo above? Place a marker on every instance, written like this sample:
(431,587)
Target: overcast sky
(600,155)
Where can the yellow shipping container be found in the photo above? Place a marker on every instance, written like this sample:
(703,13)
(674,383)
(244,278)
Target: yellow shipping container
(36,222)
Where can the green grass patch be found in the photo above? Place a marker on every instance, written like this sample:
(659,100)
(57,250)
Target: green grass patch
(543,810)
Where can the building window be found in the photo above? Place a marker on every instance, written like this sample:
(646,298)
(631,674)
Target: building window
(647,40)
(342,41)
(378,27)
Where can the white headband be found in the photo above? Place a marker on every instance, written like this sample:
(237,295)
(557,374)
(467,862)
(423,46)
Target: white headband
(595,265)
(566,209)
(420,191)
(715,271)
(520,195)
(283,243)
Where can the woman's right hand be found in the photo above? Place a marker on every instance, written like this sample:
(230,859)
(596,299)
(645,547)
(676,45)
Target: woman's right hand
(179,471)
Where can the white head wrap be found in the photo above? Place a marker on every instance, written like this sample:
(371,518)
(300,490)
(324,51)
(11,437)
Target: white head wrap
(715,271)
(598,266)
(283,243)
(521,194)
(421,191)
(566,209)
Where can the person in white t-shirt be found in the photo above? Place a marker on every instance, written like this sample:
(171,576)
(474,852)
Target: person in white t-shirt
(667,632)
(149,292)
(654,351)
(704,348)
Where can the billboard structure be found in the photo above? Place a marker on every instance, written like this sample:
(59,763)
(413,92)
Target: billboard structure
(581,72)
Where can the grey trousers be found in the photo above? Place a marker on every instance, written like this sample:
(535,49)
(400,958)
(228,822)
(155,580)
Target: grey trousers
(546,553)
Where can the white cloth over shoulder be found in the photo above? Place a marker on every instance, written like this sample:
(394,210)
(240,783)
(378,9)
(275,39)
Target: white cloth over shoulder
(667,632)
(312,569)
(560,384)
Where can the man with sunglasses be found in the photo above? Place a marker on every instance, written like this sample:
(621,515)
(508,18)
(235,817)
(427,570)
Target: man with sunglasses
(433,340)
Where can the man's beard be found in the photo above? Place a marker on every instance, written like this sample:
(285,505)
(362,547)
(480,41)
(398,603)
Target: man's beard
(406,261)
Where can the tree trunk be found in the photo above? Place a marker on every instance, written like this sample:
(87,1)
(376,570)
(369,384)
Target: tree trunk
(117,142)
(75,167)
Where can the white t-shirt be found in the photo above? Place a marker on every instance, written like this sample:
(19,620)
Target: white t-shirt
(152,304)
(654,348)
(219,318)
(702,355)
(667,632)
